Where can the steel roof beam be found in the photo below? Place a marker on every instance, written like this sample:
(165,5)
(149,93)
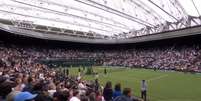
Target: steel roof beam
(75,16)
(146,10)
(61,21)
(151,9)
(179,4)
(81,10)
(121,14)
(165,11)
(196,7)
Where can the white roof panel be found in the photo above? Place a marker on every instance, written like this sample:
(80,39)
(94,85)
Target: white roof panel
(106,17)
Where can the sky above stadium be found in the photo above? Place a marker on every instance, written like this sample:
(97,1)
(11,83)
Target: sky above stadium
(107,17)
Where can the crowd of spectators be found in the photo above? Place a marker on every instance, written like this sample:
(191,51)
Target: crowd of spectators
(22,78)
(169,58)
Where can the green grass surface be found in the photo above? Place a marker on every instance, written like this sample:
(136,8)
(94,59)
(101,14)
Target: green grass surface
(162,86)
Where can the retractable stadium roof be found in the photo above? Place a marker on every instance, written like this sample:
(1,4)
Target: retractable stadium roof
(111,18)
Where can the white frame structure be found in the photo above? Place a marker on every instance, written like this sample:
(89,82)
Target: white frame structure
(100,19)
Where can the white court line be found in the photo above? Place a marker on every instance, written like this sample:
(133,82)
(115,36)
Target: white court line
(157,78)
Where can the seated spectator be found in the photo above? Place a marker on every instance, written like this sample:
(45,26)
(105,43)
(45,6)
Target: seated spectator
(19,85)
(92,96)
(127,93)
(11,95)
(99,96)
(24,96)
(5,89)
(82,88)
(84,98)
(29,86)
(75,96)
(61,96)
(42,91)
(51,89)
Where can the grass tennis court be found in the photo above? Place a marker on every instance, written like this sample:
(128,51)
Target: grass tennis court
(162,86)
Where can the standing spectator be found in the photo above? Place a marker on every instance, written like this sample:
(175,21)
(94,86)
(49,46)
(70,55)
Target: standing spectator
(108,92)
(117,90)
(105,71)
(67,72)
(79,71)
(144,90)
(97,85)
